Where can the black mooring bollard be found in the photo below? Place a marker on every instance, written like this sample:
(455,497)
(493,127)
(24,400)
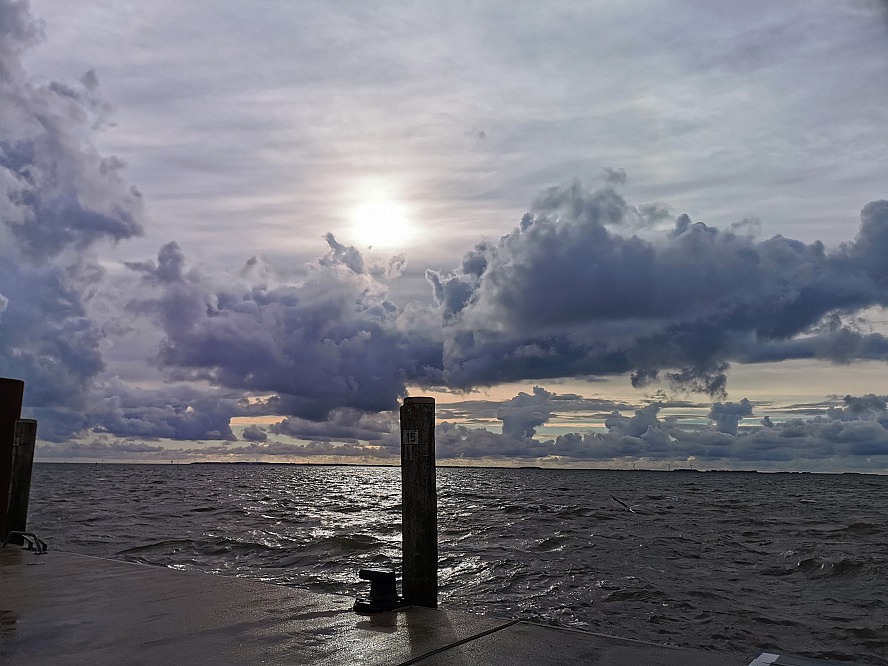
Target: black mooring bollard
(419,503)
(383,592)
(11,393)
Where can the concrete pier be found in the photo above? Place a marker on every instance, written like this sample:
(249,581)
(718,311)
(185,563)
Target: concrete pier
(61,608)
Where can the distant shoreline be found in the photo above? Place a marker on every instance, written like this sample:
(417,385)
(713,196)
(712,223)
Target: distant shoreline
(689,470)
(261,463)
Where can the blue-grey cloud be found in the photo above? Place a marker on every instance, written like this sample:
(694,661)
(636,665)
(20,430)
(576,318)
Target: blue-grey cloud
(842,436)
(569,293)
(97,447)
(343,425)
(59,200)
(727,415)
(560,404)
(332,340)
(176,411)
(524,413)
(254,433)
(866,407)
(846,436)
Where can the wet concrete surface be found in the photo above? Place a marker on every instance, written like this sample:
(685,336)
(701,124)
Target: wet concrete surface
(62,608)
(528,643)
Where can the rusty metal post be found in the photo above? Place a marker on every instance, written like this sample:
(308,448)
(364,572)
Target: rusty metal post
(11,393)
(20,484)
(419,525)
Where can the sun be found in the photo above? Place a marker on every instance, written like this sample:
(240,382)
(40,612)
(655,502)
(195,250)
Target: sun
(380,220)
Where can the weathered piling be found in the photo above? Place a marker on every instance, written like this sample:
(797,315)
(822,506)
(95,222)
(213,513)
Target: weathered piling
(20,483)
(11,393)
(419,531)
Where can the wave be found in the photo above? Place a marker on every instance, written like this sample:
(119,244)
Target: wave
(345,544)
(822,567)
(166,544)
(169,548)
(862,529)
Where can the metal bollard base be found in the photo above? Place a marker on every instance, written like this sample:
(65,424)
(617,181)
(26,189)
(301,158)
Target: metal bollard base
(383,592)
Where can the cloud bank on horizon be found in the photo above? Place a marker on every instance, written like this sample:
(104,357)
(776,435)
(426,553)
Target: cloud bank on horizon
(587,284)
(569,292)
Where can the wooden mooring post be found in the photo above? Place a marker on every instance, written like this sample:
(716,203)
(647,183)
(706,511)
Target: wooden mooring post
(11,394)
(20,483)
(419,503)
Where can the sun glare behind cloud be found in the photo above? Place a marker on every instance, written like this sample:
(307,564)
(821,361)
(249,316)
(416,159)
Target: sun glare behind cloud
(379,220)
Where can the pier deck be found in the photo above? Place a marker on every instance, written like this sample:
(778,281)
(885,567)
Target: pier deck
(62,608)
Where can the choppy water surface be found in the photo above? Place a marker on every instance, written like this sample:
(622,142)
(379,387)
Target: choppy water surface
(721,561)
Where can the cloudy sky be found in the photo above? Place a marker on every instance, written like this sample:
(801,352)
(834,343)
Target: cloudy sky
(600,235)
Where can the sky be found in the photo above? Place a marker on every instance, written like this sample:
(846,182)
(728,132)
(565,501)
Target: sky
(599,234)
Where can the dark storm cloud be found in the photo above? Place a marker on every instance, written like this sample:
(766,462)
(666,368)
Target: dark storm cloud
(100,448)
(104,447)
(254,433)
(59,198)
(176,411)
(710,380)
(343,425)
(331,341)
(569,293)
(276,450)
(870,407)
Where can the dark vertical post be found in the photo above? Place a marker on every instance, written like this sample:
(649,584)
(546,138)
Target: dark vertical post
(419,531)
(11,392)
(20,485)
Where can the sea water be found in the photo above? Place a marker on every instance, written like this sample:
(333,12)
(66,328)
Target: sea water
(732,562)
